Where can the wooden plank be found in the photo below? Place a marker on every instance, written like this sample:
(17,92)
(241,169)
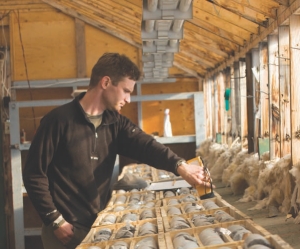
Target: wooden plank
(202,51)
(275,141)
(203,62)
(264,89)
(121,9)
(243,98)
(242,11)
(221,104)
(273,25)
(207,43)
(282,2)
(199,14)
(218,31)
(208,108)
(264,7)
(237,99)
(123,18)
(133,4)
(227,115)
(256,101)
(92,19)
(24,5)
(53,28)
(98,42)
(226,43)
(295,87)
(80,48)
(285,90)
(250,105)
(213,109)
(187,69)
(226,15)
(193,65)
(233,107)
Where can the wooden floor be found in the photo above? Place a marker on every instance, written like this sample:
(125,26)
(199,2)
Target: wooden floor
(286,229)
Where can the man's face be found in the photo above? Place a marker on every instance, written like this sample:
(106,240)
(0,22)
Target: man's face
(115,97)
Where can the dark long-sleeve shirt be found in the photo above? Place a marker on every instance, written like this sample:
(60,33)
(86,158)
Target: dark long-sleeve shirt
(70,163)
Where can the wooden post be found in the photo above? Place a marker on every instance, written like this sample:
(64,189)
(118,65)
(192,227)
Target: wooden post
(264,88)
(256,92)
(4,199)
(215,105)
(250,104)
(221,105)
(274,97)
(237,98)
(284,88)
(295,86)
(243,99)
(208,108)
(228,112)
(233,129)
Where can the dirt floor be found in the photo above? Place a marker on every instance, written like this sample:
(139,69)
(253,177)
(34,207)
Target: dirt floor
(286,229)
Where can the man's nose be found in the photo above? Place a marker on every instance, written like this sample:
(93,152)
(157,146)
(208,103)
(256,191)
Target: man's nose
(127,99)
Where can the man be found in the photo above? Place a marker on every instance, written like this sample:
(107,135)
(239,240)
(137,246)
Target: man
(71,159)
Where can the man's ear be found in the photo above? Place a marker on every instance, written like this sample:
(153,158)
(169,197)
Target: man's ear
(105,82)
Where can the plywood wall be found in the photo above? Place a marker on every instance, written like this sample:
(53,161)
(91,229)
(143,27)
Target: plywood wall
(43,47)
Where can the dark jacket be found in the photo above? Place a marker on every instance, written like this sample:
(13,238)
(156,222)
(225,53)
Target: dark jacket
(69,164)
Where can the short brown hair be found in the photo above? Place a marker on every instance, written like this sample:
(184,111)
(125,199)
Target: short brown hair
(115,66)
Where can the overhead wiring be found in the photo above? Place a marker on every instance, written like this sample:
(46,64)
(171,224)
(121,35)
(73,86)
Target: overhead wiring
(25,65)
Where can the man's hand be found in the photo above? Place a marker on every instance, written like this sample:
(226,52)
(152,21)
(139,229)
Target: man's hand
(64,233)
(194,174)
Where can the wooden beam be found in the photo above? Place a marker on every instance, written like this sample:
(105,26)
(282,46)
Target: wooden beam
(285,90)
(295,86)
(208,107)
(263,7)
(215,108)
(275,142)
(218,31)
(226,15)
(244,12)
(233,128)
(209,54)
(243,100)
(200,60)
(233,29)
(264,89)
(282,2)
(227,114)
(250,105)
(185,69)
(207,43)
(201,31)
(237,94)
(256,91)
(221,104)
(23,5)
(273,25)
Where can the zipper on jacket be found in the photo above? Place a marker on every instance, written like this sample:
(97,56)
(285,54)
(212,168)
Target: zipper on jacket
(94,147)
(95,142)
